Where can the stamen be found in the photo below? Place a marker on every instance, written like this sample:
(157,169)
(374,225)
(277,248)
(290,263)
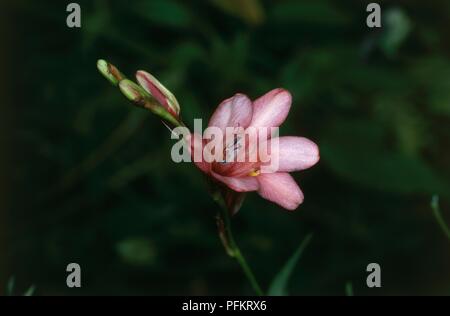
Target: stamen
(231,149)
(254,173)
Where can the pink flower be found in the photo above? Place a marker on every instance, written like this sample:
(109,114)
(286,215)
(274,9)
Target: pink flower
(294,153)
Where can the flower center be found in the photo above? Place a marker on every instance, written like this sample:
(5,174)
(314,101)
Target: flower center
(231,150)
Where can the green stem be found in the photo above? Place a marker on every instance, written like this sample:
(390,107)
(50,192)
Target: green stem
(234,251)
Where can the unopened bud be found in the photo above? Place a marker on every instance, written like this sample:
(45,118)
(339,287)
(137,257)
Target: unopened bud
(141,98)
(133,92)
(110,72)
(159,92)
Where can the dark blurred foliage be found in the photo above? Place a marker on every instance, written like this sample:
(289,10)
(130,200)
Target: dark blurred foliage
(91,180)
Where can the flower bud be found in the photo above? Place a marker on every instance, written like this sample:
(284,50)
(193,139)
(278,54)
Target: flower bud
(141,98)
(110,72)
(159,92)
(132,92)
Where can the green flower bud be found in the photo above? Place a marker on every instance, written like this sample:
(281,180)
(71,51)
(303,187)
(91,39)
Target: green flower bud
(110,72)
(141,98)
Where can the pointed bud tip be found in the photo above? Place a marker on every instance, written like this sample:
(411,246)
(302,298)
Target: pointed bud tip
(109,71)
(101,63)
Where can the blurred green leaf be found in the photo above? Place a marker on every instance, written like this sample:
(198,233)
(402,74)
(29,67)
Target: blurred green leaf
(137,251)
(169,13)
(432,74)
(10,286)
(355,151)
(396,28)
(349,289)
(251,11)
(406,123)
(390,172)
(437,214)
(30,291)
(318,12)
(183,55)
(96,23)
(228,61)
(279,284)
(121,134)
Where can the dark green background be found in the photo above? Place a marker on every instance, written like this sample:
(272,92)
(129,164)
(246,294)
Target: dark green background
(87,178)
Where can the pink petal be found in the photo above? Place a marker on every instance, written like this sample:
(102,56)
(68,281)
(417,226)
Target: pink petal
(294,153)
(196,150)
(146,82)
(241,184)
(280,188)
(271,109)
(233,112)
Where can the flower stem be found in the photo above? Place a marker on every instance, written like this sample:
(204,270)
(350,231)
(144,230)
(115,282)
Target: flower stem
(247,270)
(233,250)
